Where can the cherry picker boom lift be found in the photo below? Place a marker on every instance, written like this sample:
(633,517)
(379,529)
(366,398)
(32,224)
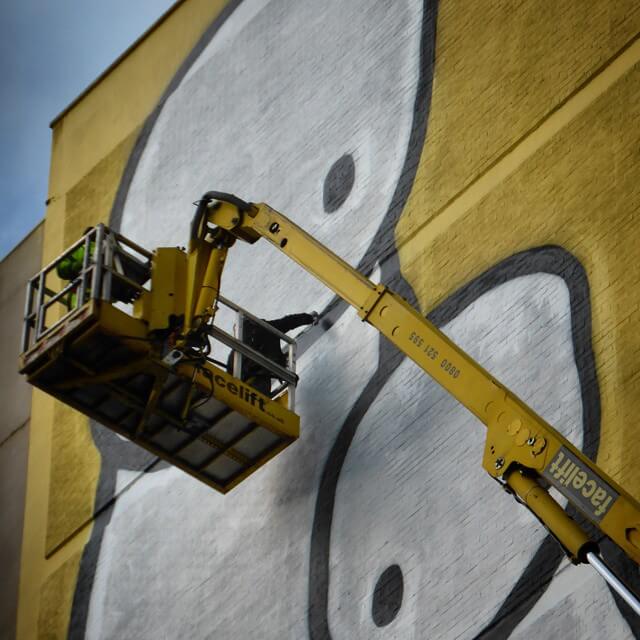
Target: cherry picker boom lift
(134,353)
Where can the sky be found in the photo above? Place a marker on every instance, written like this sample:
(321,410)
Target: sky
(50,51)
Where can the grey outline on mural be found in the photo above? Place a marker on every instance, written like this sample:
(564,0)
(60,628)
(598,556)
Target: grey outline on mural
(111,447)
(129,456)
(382,250)
(538,574)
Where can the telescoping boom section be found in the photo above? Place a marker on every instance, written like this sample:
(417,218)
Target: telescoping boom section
(129,338)
(522,451)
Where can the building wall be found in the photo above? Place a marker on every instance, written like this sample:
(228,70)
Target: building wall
(15,398)
(481,159)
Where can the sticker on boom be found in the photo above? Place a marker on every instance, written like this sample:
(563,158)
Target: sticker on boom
(590,493)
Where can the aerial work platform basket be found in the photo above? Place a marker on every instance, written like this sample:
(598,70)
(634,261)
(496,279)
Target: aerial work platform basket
(86,342)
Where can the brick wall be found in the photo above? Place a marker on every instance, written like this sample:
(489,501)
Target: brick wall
(481,159)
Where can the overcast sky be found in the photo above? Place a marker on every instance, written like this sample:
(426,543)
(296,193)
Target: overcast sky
(50,50)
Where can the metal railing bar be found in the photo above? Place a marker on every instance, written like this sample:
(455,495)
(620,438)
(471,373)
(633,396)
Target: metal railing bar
(291,363)
(69,251)
(132,245)
(40,299)
(125,252)
(33,283)
(107,276)
(252,354)
(96,290)
(291,357)
(57,323)
(262,323)
(29,318)
(70,287)
(85,264)
(124,278)
(237,355)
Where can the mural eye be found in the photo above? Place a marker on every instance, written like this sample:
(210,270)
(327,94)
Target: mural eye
(387,596)
(338,183)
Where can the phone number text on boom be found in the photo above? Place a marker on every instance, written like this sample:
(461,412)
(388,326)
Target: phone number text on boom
(432,353)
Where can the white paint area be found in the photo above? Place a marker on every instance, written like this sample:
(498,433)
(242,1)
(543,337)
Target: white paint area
(283,91)
(181,561)
(575,606)
(412,490)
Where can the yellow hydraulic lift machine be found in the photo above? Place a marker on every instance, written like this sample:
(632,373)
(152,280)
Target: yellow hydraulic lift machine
(128,342)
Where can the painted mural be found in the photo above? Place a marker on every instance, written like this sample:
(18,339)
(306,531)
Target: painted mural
(379,522)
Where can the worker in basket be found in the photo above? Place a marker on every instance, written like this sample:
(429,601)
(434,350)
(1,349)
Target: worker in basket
(268,344)
(70,267)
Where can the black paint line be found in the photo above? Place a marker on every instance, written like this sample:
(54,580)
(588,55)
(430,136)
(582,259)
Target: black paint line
(115,219)
(627,571)
(383,247)
(127,457)
(540,570)
(553,260)
(383,244)
(557,261)
(116,454)
(548,259)
(126,454)
(382,251)
(86,576)
(91,552)
(112,448)
(323,515)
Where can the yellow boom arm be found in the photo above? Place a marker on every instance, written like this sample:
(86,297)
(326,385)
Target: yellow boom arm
(521,448)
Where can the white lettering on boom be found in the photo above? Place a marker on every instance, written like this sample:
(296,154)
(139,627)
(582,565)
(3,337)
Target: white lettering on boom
(580,484)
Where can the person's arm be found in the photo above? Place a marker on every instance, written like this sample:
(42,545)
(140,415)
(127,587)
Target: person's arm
(293,321)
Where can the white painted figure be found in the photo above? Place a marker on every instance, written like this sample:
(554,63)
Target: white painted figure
(310,107)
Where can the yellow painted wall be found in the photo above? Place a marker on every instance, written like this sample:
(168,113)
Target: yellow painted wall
(539,149)
(91,144)
(533,139)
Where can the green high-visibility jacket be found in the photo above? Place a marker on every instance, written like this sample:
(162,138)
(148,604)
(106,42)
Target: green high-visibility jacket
(70,266)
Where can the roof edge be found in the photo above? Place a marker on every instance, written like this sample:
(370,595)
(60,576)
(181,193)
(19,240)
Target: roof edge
(117,61)
(22,241)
